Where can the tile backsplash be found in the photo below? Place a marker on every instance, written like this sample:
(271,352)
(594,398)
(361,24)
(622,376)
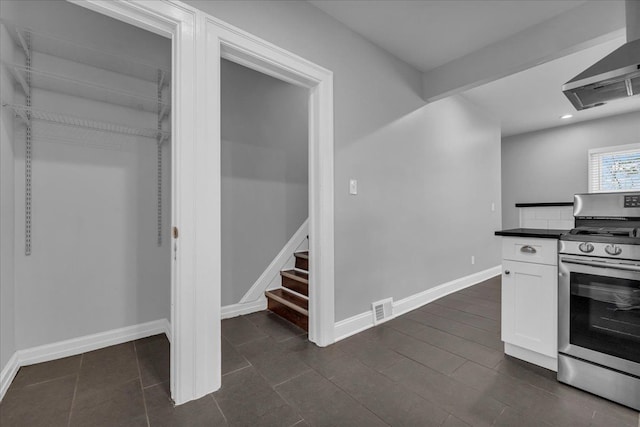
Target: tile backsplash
(547,217)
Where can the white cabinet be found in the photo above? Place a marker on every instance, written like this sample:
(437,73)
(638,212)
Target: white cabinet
(529,296)
(530,300)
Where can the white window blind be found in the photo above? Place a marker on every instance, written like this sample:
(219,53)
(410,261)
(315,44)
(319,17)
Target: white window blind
(614,168)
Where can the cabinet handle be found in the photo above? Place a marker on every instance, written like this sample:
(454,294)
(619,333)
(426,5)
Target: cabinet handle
(528,249)
(507,272)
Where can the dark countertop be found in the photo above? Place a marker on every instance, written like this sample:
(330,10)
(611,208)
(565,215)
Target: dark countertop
(541,233)
(543,204)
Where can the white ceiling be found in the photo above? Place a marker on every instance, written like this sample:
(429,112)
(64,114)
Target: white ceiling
(427,34)
(532,99)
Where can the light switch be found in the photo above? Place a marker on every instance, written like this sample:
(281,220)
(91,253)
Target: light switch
(353,186)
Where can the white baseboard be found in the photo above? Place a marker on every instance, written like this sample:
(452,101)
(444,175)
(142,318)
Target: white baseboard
(9,372)
(234,310)
(71,347)
(412,302)
(360,322)
(167,330)
(351,326)
(273,270)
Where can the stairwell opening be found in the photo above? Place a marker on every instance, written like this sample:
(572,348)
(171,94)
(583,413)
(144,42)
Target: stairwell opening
(264,195)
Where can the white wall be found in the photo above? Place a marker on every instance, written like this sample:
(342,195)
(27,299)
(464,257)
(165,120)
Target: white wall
(427,175)
(94,265)
(264,173)
(551,165)
(7,286)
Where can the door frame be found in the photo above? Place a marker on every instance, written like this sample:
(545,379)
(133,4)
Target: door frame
(228,42)
(199,41)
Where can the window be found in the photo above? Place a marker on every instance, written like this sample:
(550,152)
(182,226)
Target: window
(614,168)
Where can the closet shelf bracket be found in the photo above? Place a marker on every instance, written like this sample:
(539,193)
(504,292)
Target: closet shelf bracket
(166,109)
(163,137)
(19,78)
(20,113)
(163,80)
(24,44)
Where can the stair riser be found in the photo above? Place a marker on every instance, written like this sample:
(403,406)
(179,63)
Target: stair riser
(302,264)
(291,315)
(294,285)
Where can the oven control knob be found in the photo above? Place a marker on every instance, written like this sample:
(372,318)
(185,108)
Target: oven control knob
(613,250)
(586,247)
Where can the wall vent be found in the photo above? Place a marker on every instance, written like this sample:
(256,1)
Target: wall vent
(382,310)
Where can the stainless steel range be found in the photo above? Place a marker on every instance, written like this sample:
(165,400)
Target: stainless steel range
(599,297)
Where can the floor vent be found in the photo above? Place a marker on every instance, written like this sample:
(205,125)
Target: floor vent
(382,310)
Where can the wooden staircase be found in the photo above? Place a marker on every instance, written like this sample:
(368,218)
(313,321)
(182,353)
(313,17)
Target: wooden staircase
(291,301)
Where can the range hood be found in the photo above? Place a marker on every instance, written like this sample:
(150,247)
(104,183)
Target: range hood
(615,76)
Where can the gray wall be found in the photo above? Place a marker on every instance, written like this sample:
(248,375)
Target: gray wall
(7,257)
(264,173)
(551,165)
(427,175)
(95,265)
(426,184)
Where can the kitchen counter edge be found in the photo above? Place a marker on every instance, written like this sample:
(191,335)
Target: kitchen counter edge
(541,233)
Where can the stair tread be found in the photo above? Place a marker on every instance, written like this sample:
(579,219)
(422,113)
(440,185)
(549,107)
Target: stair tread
(285,297)
(300,276)
(303,254)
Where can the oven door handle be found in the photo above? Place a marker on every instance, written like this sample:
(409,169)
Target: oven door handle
(601,264)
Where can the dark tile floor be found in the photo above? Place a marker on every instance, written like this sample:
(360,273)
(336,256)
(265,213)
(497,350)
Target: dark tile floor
(441,365)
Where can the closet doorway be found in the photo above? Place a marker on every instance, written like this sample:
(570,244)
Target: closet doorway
(86,108)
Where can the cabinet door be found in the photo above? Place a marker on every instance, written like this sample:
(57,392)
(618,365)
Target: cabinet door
(529,306)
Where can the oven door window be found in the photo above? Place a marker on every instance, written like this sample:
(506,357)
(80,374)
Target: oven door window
(605,315)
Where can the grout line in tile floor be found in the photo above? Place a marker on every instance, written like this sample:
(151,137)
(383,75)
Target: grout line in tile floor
(290,404)
(273,387)
(239,369)
(75,390)
(292,378)
(153,385)
(356,400)
(144,399)
(49,380)
(220,409)
(461,311)
(459,321)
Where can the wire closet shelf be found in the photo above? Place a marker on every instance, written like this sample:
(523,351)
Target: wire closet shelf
(23,112)
(83,89)
(152,79)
